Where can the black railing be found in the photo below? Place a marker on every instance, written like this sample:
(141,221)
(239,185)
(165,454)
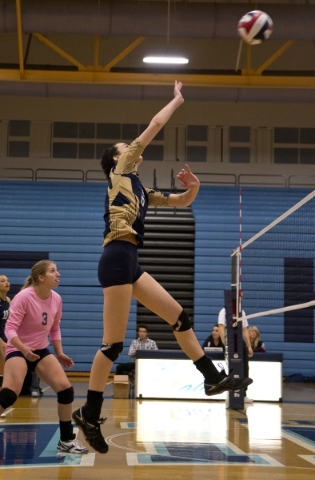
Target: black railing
(217,178)
(23,174)
(173,184)
(154,180)
(206,178)
(95,176)
(293,181)
(66,175)
(257,180)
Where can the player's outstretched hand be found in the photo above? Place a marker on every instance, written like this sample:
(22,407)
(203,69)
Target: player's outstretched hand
(187,178)
(177,90)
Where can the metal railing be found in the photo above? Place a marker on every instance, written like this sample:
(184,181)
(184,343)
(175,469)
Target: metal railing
(10,174)
(217,178)
(154,180)
(95,176)
(305,183)
(206,178)
(264,180)
(173,184)
(66,175)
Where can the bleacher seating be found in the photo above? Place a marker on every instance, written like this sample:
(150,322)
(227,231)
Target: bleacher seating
(65,220)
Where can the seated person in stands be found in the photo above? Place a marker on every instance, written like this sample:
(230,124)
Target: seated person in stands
(142,343)
(214,339)
(256,343)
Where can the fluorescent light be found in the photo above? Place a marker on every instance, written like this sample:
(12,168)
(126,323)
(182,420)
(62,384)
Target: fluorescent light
(170,60)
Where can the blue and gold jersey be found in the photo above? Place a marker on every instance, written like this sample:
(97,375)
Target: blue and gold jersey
(127,201)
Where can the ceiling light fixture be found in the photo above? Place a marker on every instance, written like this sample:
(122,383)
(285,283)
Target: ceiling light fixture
(169,60)
(166,59)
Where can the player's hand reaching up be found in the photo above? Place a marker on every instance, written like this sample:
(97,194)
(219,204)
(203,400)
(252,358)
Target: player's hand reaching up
(187,178)
(177,89)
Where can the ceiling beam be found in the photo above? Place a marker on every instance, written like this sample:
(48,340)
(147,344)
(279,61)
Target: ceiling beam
(123,54)
(162,79)
(59,50)
(19,36)
(96,51)
(273,57)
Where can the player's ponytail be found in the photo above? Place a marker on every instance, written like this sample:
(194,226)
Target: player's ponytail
(107,161)
(28,282)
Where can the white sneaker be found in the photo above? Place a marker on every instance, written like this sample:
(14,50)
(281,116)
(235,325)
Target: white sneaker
(73,446)
(35,393)
(248,400)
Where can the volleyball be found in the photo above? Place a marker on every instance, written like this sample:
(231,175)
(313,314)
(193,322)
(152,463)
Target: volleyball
(255,27)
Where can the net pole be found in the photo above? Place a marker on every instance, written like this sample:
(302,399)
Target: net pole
(239,262)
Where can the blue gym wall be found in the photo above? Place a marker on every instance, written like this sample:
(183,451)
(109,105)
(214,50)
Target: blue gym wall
(65,220)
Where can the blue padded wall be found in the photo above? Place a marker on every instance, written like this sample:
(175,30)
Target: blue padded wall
(65,220)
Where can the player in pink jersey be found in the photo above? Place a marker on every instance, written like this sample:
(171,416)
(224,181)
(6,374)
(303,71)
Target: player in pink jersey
(35,313)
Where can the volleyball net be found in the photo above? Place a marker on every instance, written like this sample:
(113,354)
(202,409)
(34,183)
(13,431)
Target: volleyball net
(274,269)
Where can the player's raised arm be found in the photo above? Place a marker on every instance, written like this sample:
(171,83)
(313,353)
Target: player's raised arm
(162,117)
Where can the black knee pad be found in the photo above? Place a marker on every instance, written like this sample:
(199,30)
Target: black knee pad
(112,351)
(183,323)
(66,396)
(7,397)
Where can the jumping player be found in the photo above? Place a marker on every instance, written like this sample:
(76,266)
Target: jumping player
(122,277)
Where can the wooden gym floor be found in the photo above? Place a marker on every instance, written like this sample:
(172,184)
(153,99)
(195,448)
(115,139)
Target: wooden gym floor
(175,440)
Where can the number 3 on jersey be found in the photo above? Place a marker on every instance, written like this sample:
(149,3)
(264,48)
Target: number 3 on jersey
(45,318)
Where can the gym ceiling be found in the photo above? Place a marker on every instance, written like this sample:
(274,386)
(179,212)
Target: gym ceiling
(95,49)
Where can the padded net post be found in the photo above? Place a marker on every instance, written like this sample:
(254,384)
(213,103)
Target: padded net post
(234,348)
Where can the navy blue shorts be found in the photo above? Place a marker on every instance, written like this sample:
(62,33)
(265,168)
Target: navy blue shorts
(119,264)
(30,365)
(2,334)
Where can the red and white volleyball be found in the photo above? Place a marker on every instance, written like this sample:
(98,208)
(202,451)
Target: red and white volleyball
(255,27)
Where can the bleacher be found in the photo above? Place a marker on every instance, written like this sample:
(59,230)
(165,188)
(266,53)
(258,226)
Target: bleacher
(65,220)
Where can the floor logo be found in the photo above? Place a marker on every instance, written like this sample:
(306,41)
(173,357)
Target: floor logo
(29,445)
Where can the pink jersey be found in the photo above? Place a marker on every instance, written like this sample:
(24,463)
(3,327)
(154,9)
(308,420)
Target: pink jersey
(32,319)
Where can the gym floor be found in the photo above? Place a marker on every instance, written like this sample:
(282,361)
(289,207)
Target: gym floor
(174,439)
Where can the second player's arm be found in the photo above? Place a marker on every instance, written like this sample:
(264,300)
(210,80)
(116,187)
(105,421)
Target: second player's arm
(247,341)
(222,332)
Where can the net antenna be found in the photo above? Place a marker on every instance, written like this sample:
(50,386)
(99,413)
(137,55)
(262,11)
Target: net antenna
(284,247)
(237,267)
